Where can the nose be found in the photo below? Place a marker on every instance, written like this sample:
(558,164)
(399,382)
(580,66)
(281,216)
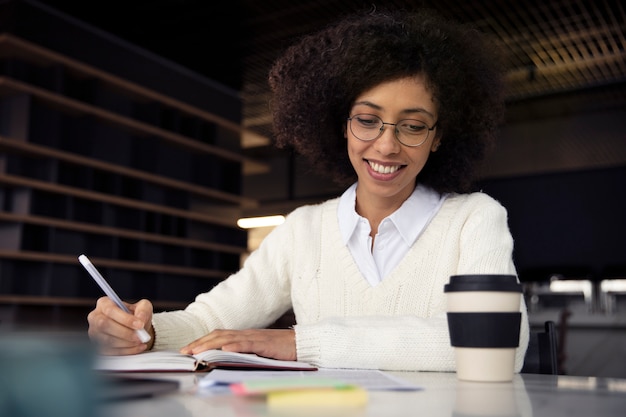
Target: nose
(387,143)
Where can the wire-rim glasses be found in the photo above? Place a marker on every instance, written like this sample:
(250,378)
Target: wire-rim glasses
(409,132)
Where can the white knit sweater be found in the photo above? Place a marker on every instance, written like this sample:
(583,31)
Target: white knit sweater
(342,321)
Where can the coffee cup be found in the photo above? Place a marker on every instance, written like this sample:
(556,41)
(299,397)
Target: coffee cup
(484,324)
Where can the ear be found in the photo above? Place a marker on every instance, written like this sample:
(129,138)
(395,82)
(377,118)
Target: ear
(435,145)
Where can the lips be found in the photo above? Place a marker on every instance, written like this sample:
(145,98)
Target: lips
(384,169)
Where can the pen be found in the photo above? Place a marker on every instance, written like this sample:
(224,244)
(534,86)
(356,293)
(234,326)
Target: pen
(144,336)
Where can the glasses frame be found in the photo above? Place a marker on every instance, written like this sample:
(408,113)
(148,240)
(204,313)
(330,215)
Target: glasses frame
(395,131)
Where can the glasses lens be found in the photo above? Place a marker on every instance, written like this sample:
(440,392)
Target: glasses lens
(409,132)
(412,132)
(365,126)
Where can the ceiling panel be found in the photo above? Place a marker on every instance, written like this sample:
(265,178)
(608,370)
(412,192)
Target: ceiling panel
(551,47)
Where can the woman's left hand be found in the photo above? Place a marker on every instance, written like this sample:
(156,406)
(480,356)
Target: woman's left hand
(270,343)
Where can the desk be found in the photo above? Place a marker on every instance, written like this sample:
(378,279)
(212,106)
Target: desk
(527,395)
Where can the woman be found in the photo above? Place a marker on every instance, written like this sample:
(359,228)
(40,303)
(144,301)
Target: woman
(402,108)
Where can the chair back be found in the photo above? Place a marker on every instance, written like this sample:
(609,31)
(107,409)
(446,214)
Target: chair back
(541,355)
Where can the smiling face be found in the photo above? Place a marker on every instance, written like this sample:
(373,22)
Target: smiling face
(386,169)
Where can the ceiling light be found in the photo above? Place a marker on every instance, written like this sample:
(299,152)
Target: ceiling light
(264,221)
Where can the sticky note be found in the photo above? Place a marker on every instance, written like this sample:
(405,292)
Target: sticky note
(318,397)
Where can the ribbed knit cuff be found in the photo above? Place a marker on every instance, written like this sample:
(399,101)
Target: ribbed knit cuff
(308,343)
(169,333)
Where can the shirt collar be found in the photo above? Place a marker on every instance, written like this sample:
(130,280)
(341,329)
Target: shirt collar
(409,220)
(416,212)
(346,213)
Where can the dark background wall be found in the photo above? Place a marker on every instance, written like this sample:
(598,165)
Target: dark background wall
(569,223)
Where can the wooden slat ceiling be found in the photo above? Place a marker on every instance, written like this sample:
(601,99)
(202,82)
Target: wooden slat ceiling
(552,46)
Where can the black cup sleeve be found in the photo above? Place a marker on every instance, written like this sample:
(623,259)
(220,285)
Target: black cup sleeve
(484,330)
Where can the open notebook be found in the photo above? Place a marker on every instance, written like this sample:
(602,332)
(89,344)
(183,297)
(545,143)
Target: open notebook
(160,361)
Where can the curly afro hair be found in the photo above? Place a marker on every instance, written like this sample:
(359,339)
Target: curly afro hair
(316,81)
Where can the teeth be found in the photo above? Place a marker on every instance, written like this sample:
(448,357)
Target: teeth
(384,169)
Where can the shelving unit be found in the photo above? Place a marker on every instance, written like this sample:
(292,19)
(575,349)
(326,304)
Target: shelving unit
(146,184)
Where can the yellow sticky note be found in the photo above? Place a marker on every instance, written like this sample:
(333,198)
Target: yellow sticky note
(318,397)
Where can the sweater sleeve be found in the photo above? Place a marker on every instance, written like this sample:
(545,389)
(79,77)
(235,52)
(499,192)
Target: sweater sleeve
(400,343)
(254,297)
(487,247)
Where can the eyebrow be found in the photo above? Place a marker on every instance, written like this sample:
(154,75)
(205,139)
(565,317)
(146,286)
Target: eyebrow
(405,111)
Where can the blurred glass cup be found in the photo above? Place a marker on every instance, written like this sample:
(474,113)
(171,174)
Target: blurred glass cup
(46,375)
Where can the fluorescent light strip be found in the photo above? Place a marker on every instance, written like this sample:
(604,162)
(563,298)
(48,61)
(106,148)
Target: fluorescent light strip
(265,221)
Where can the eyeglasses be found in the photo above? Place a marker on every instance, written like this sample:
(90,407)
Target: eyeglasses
(409,132)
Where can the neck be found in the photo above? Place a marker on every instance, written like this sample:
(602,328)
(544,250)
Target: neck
(375,208)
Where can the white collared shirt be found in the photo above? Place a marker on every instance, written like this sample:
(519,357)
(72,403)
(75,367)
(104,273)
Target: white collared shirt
(396,233)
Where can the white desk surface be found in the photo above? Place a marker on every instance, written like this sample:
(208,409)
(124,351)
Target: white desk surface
(442,395)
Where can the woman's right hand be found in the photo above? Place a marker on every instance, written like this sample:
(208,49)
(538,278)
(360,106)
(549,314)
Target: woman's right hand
(114,330)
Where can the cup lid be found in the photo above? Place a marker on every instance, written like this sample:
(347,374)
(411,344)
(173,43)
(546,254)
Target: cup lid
(483,282)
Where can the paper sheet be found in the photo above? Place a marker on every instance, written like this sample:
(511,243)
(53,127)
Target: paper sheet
(371,380)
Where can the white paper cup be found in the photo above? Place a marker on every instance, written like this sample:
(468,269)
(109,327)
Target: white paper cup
(484,323)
